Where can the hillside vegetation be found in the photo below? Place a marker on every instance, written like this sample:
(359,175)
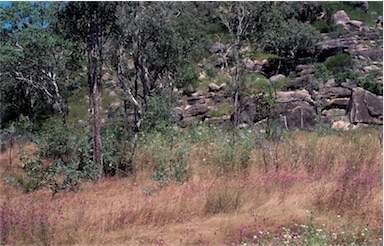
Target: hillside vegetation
(193,123)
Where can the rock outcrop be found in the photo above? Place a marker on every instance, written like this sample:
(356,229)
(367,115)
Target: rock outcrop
(365,107)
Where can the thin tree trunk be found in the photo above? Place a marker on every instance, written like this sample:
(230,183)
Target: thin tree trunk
(95,63)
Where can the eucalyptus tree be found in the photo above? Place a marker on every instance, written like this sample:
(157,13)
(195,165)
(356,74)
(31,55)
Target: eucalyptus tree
(239,19)
(34,60)
(155,46)
(89,24)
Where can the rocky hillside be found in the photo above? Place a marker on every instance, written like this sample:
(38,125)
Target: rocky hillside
(305,95)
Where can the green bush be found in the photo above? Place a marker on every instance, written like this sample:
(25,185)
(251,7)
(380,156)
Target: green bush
(293,39)
(234,152)
(339,63)
(69,153)
(369,83)
(38,174)
(167,151)
(324,26)
(322,72)
(159,112)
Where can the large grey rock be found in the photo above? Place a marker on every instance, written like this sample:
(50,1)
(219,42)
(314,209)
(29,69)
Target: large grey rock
(342,125)
(333,92)
(193,100)
(212,87)
(252,109)
(249,64)
(379,20)
(371,68)
(295,115)
(335,112)
(365,107)
(350,84)
(196,110)
(341,18)
(284,96)
(276,78)
(217,47)
(331,83)
(331,47)
(307,82)
(364,6)
(356,23)
(340,103)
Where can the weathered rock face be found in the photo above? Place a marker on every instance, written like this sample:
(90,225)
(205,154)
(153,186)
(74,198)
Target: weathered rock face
(284,96)
(276,78)
(212,87)
(333,92)
(331,47)
(295,115)
(365,107)
(196,110)
(193,100)
(307,82)
(252,109)
(341,18)
(338,103)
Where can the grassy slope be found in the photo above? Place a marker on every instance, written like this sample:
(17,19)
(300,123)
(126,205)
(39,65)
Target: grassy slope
(337,188)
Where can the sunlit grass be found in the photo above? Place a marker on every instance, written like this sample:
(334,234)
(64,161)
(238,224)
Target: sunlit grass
(326,189)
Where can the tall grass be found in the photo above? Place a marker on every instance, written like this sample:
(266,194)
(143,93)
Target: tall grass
(327,189)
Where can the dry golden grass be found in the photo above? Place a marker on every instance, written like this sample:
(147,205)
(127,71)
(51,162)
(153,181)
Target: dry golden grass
(211,208)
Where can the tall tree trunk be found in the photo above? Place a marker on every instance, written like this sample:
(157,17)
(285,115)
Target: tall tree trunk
(95,63)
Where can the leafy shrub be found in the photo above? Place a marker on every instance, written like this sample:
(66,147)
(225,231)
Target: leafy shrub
(71,154)
(234,152)
(20,129)
(187,75)
(322,72)
(369,83)
(338,63)
(159,112)
(292,39)
(38,174)
(324,26)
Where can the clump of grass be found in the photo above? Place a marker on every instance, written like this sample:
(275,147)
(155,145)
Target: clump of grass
(221,110)
(224,200)
(265,56)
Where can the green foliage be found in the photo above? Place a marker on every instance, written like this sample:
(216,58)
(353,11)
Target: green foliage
(34,58)
(371,84)
(70,152)
(20,129)
(292,39)
(234,154)
(221,110)
(324,26)
(168,152)
(322,72)
(187,75)
(253,83)
(38,175)
(159,111)
(338,63)
(265,56)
